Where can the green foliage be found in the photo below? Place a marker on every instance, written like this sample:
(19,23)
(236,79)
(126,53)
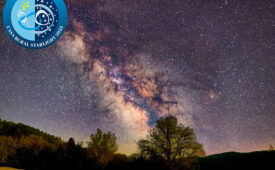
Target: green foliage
(28,148)
(24,147)
(102,145)
(170,141)
(14,137)
(19,151)
(18,130)
(8,146)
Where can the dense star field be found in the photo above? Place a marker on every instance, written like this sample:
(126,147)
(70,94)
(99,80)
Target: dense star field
(123,64)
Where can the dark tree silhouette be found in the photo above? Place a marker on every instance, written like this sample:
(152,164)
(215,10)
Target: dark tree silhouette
(271,148)
(170,141)
(103,145)
(24,147)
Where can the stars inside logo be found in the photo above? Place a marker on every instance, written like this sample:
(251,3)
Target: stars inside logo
(25,5)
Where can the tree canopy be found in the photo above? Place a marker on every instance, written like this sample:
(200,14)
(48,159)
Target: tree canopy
(170,141)
(103,145)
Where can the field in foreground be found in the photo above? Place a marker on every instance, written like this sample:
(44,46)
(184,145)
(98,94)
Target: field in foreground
(7,168)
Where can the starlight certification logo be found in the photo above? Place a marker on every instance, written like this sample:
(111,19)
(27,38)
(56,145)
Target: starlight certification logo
(35,24)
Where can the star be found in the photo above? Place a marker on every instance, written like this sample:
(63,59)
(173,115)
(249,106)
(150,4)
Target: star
(25,5)
(122,66)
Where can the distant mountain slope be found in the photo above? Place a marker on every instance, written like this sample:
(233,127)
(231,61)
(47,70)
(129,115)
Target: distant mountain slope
(262,160)
(18,130)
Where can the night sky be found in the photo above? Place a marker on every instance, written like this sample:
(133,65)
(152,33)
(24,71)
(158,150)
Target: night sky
(123,64)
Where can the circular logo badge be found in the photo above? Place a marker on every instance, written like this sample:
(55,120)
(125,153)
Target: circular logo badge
(35,24)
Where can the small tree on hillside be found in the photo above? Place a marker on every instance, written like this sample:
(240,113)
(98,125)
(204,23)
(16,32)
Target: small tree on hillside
(103,145)
(170,141)
(271,148)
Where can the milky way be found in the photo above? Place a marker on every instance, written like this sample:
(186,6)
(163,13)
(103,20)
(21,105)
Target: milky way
(121,65)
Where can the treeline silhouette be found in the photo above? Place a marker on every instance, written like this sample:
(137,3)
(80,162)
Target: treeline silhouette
(260,160)
(168,146)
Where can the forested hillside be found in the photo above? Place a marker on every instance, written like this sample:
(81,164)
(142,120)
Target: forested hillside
(25,147)
(19,130)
